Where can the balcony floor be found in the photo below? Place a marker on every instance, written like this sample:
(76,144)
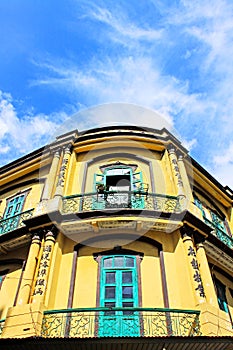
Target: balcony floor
(156,343)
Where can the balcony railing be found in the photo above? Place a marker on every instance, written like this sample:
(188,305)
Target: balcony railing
(220,234)
(14,222)
(120,322)
(1,326)
(112,200)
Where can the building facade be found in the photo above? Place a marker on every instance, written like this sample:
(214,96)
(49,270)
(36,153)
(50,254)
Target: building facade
(114,236)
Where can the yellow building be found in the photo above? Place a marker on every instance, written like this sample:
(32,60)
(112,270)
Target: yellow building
(113,238)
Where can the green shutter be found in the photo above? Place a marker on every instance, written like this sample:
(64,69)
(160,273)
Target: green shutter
(119,288)
(218,222)
(136,180)
(14,206)
(221,294)
(98,201)
(137,200)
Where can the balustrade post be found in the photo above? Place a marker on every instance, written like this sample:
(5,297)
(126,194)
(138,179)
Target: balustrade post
(193,267)
(28,275)
(63,171)
(44,268)
(206,275)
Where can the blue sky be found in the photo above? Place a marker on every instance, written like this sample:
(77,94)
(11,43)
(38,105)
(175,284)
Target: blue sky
(175,57)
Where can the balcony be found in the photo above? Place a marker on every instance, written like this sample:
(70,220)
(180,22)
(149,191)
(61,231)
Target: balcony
(120,322)
(15,221)
(220,234)
(137,200)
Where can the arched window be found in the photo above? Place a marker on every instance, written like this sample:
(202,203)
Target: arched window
(118,186)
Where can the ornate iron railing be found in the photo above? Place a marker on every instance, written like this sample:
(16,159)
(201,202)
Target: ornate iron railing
(131,199)
(1,326)
(220,234)
(13,222)
(120,322)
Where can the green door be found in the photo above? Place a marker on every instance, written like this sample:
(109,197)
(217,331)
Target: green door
(119,288)
(14,207)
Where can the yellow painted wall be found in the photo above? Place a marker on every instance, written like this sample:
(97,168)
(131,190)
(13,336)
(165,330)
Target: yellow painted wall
(163,180)
(60,274)
(86,279)
(32,199)
(8,291)
(168,175)
(177,274)
(11,281)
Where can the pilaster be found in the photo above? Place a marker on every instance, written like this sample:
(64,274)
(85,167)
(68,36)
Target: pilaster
(206,277)
(185,180)
(63,171)
(29,272)
(44,268)
(193,268)
(49,184)
(176,174)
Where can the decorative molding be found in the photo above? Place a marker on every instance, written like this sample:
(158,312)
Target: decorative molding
(117,164)
(218,255)
(79,226)
(15,243)
(118,155)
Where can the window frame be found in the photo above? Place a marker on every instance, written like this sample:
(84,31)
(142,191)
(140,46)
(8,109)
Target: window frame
(221,295)
(23,193)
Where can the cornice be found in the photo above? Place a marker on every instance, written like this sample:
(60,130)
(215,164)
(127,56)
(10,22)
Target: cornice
(218,255)
(149,135)
(196,225)
(20,162)
(211,182)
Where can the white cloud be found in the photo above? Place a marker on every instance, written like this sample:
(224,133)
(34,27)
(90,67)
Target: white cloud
(189,144)
(210,23)
(179,64)
(226,157)
(125,79)
(223,165)
(21,134)
(121,28)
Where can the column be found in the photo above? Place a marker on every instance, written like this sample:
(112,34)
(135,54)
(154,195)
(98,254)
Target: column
(193,267)
(29,272)
(184,177)
(176,174)
(63,171)
(47,193)
(206,275)
(44,267)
